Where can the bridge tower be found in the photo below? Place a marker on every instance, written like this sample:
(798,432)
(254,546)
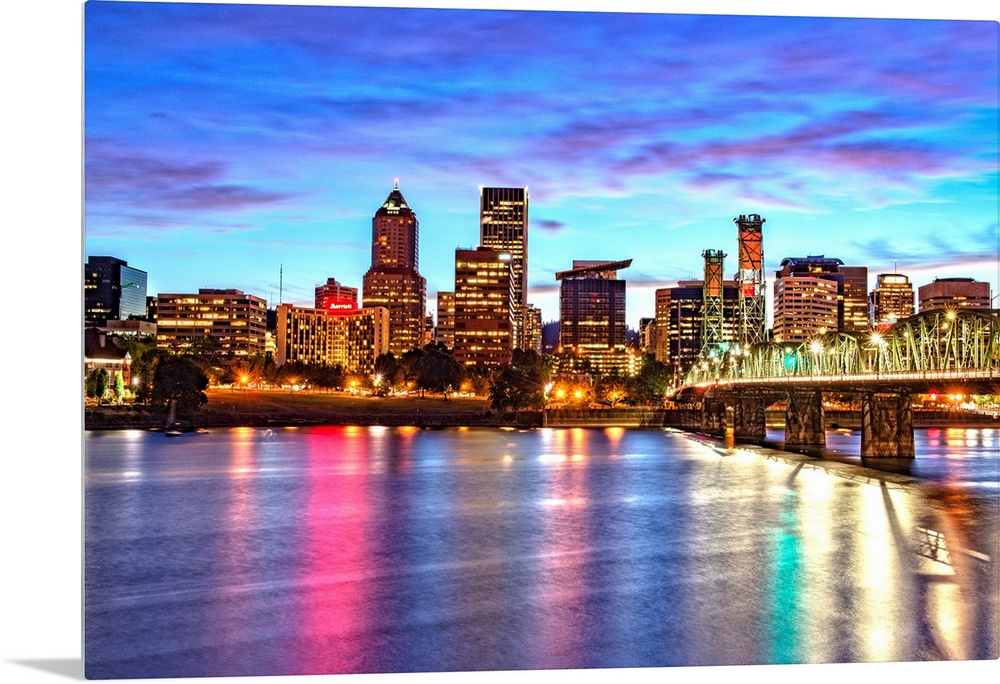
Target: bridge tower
(713,318)
(751,317)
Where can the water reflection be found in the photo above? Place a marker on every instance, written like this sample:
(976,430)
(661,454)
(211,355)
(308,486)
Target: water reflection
(347,549)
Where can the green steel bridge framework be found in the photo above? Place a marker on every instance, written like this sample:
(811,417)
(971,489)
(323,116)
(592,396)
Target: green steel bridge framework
(940,350)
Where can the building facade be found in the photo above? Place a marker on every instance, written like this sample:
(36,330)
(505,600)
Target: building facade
(393,282)
(954,293)
(484,308)
(112,290)
(503,226)
(234,320)
(592,313)
(891,300)
(352,340)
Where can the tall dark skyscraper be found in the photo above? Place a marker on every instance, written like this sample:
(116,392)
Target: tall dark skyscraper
(393,280)
(112,290)
(503,226)
(592,313)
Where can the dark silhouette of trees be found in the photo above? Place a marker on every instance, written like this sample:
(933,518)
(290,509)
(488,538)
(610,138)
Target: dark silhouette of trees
(651,384)
(180,379)
(521,384)
(437,370)
(96,384)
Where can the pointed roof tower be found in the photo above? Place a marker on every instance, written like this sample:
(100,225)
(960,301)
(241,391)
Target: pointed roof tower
(395,203)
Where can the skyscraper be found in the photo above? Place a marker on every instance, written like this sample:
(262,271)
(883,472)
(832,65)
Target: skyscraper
(857,317)
(808,297)
(484,311)
(393,281)
(503,226)
(892,299)
(112,290)
(592,313)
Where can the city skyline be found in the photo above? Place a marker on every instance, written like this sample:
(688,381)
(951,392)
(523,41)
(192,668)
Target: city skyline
(248,143)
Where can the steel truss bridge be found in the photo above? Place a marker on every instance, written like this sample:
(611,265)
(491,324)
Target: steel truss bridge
(945,351)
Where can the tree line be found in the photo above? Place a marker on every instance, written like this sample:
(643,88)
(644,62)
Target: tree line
(528,382)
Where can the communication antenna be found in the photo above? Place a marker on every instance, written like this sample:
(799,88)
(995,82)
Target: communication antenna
(281,277)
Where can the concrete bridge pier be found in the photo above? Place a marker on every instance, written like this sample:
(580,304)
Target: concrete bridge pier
(887,425)
(731,413)
(804,419)
(713,415)
(748,418)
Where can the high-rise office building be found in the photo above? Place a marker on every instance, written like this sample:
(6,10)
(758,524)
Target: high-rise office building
(393,281)
(484,307)
(236,321)
(856,315)
(891,300)
(804,305)
(592,313)
(336,297)
(503,226)
(532,329)
(112,290)
(808,298)
(954,293)
(444,332)
(680,326)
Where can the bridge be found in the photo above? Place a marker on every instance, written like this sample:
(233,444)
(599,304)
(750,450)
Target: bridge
(938,351)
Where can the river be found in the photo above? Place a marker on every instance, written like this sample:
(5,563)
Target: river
(367,549)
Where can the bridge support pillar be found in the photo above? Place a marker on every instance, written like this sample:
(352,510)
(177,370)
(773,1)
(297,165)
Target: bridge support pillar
(748,418)
(804,419)
(713,416)
(887,426)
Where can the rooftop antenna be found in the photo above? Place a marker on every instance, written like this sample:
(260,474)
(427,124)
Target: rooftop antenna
(281,277)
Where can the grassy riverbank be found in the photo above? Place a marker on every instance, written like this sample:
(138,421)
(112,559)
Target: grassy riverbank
(254,408)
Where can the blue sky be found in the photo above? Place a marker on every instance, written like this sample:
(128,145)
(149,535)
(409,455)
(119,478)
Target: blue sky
(223,143)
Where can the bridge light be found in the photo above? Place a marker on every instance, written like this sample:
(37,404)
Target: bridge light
(816,347)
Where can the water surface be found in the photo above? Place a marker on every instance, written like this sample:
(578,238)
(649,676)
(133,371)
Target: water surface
(368,549)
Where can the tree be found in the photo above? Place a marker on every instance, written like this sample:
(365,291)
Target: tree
(389,371)
(144,365)
(182,380)
(520,385)
(97,384)
(119,387)
(437,370)
(611,388)
(651,384)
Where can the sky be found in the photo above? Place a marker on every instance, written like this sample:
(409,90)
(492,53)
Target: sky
(249,146)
